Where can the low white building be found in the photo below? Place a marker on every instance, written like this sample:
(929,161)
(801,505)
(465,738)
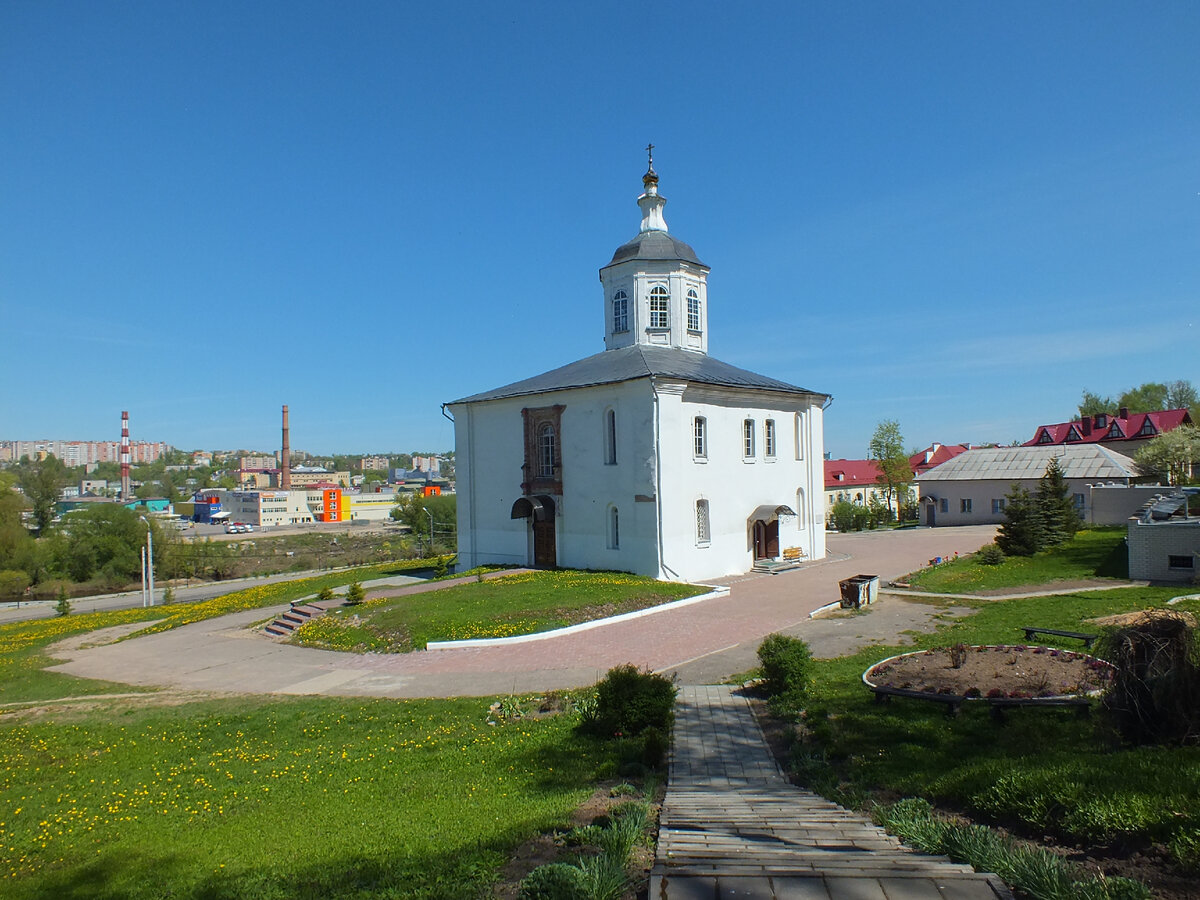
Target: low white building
(1164,542)
(971,488)
(650,457)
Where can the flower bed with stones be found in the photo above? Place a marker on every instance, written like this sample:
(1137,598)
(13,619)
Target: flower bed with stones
(993,672)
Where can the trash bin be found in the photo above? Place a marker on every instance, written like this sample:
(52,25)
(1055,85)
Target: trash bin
(872,585)
(858,591)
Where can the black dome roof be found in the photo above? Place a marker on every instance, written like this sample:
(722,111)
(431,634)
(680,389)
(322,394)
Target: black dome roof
(655,245)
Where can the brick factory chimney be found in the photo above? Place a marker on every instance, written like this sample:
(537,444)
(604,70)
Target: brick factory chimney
(125,456)
(285,456)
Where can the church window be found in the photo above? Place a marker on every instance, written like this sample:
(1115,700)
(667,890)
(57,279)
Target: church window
(769,438)
(801,509)
(610,437)
(693,300)
(614,529)
(748,439)
(700,437)
(620,312)
(660,316)
(799,436)
(547,446)
(703,534)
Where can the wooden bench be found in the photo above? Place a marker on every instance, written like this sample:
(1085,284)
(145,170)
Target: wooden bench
(795,554)
(1087,639)
(997,705)
(951,701)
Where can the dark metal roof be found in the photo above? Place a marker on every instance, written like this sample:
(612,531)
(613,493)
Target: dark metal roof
(655,245)
(639,361)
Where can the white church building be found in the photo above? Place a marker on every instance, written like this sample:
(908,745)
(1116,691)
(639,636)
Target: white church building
(650,457)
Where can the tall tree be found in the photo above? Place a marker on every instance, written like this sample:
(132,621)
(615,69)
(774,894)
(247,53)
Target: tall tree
(42,481)
(887,449)
(1094,405)
(1172,456)
(1182,395)
(1149,397)
(1057,513)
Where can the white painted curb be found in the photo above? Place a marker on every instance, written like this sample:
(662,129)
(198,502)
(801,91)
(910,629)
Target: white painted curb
(573,629)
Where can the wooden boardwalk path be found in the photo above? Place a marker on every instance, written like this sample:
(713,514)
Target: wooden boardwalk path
(732,826)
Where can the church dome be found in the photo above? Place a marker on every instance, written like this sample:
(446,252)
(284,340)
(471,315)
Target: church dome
(655,245)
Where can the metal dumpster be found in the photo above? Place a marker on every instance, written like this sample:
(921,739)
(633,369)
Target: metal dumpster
(859,590)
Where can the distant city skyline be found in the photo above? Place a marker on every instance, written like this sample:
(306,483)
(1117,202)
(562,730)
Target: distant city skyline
(956,216)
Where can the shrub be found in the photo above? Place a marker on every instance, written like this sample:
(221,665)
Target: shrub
(168,596)
(63,606)
(989,555)
(787,670)
(654,746)
(355,594)
(441,568)
(629,701)
(325,594)
(842,515)
(556,881)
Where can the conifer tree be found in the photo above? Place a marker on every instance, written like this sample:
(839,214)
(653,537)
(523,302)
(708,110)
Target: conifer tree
(1059,519)
(1022,533)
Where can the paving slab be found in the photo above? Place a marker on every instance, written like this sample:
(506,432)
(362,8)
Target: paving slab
(733,826)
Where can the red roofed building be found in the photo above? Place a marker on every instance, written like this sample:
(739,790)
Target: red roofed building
(859,480)
(1125,432)
(935,455)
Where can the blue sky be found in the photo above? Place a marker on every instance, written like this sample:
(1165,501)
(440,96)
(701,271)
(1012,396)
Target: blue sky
(955,215)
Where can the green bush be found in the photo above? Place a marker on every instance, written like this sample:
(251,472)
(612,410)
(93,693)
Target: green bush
(325,594)
(787,672)
(556,881)
(355,594)
(654,746)
(629,701)
(989,555)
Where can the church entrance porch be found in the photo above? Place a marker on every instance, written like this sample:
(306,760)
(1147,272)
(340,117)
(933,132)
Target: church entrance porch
(764,529)
(539,509)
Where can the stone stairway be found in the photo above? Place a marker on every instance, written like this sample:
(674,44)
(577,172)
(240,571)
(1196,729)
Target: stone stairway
(286,624)
(732,826)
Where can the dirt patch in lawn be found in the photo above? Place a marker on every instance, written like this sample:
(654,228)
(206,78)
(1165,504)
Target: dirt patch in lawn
(1008,671)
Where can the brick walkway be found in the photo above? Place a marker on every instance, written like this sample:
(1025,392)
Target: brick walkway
(732,826)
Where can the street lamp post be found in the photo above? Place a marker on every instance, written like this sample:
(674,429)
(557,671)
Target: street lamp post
(149,557)
(428,513)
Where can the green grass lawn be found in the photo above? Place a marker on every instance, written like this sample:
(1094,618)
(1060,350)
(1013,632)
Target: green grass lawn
(1044,771)
(261,798)
(22,644)
(1095,553)
(524,603)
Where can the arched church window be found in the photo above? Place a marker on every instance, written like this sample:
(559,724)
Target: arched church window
(660,307)
(547,451)
(693,303)
(801,509)
(620,312)
(610,437)
(702,526)
(748,439)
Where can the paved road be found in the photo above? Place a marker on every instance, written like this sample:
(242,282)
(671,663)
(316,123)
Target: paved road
(732,826)
(703,642)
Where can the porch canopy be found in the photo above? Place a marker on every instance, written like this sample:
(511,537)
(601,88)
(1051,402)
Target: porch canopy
(540,507)
(769,512)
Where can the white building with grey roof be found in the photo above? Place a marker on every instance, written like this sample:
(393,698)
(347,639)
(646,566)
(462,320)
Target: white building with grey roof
(970,489)
(649,457)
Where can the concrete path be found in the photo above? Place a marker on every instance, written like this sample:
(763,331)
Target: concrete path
(701,643)
(732,826)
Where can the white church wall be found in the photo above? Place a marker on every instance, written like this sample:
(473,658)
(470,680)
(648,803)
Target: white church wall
(734,484)
(489,480)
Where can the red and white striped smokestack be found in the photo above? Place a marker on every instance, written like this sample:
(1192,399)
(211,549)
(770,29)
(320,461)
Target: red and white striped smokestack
(124,454)
(285,456)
